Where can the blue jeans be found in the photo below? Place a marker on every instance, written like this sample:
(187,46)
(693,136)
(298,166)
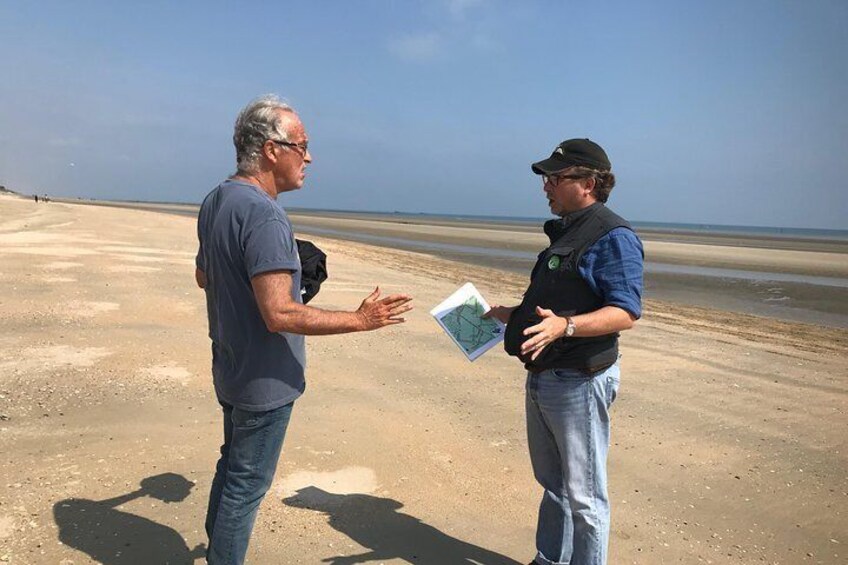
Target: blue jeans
(249,455)
(568,432)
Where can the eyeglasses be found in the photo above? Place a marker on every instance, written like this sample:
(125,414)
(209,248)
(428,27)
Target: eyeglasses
(304,147)
(556,179)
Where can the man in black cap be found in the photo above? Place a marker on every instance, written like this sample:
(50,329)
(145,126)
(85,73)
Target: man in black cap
(586,287)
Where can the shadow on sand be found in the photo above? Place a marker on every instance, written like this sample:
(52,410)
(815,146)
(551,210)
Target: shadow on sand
(114,537)
(376,524)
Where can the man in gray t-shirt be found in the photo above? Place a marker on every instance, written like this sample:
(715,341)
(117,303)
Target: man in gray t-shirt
(253,368)
(248,265)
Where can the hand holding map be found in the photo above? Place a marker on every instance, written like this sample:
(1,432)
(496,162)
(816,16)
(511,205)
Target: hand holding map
(460,315)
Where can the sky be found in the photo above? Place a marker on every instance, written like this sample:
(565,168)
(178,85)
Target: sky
(712,112)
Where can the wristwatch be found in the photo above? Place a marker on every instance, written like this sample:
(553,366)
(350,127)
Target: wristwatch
(571,327)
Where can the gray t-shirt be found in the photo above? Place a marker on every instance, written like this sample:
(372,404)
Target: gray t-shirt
(244,232)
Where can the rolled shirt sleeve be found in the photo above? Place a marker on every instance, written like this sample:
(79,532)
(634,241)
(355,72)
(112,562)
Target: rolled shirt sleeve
(268,247)
(613,268)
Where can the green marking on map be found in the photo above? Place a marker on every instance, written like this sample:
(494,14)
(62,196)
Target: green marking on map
(470,330)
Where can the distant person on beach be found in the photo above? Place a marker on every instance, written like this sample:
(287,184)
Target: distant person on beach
(586,287)
(249,266)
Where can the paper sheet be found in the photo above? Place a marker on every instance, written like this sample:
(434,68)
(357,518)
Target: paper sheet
(459,316)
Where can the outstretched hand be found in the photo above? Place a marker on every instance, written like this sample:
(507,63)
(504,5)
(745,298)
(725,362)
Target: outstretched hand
(550,329)
(376,312)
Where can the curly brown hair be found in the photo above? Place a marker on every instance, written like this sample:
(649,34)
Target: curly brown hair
(604,181)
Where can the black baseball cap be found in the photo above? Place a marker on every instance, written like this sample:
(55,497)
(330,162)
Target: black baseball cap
(574,153)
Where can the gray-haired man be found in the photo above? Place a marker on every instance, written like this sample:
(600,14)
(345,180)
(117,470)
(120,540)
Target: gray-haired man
(249,267)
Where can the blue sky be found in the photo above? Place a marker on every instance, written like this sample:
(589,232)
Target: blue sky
(713,112)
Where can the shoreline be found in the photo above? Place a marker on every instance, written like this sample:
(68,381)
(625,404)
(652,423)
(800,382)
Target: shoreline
(727,237)
(783,255)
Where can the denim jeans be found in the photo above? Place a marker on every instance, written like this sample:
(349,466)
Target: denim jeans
(249,455)
(568,432)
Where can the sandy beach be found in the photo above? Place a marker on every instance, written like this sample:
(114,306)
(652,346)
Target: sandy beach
(729,433)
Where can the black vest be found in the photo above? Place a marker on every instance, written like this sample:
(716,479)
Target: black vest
(556,284)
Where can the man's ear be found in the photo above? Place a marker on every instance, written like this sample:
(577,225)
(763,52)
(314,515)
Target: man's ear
(590,184)
(269,149)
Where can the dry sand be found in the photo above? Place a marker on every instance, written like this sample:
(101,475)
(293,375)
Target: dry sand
(729,434)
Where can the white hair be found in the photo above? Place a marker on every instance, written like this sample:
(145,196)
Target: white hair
(258,122)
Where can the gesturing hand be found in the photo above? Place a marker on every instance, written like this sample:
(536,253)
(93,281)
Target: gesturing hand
(376,312)
(551,328)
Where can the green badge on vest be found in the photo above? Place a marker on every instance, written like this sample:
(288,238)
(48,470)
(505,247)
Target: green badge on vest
(553,263)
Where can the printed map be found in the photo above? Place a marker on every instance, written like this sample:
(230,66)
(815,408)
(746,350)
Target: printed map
(468,328)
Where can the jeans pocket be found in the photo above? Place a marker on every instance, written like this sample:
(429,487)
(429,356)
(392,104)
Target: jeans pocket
(613,382)
(246,419)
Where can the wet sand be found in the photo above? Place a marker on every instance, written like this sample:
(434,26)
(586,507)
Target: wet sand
(717,254)
(785,279)
(729,441)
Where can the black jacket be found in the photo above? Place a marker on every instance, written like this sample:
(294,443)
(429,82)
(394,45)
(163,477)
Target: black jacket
(556,284)
(313,269)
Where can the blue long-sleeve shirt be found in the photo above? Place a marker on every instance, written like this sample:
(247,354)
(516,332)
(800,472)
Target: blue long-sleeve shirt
(612,267)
